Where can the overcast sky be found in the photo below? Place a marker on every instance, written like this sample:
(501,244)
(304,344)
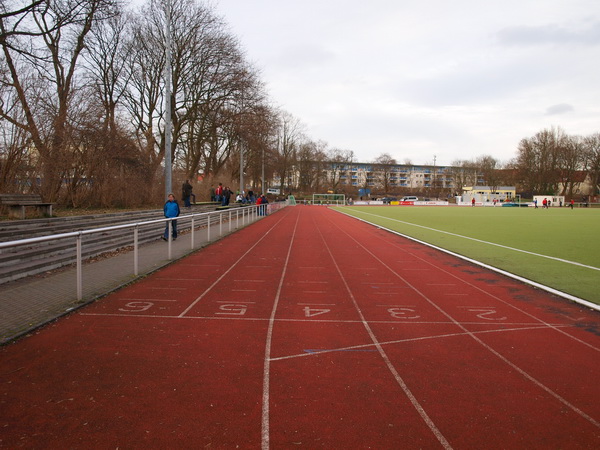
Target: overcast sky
(420,79)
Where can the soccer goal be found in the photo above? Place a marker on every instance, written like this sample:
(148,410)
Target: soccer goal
(329,199)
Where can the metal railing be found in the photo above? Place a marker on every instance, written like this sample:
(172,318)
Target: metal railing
(206,221)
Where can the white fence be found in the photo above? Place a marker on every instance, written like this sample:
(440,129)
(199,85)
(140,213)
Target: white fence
(212,225)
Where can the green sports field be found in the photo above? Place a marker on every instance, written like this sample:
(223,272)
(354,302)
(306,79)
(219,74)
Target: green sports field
(557,247)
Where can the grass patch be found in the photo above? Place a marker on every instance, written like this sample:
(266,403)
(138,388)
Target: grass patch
(570,235)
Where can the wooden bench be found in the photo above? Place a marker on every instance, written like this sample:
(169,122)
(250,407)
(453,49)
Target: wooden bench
(17,203)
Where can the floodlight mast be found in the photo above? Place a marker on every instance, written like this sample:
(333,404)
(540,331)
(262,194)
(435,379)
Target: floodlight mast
(168,124)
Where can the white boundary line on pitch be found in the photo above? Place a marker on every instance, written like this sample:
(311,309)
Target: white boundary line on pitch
(474,239)
(482,264)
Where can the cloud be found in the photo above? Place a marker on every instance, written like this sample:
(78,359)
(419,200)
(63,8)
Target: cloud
(548,34)
(303,55)
(561,108)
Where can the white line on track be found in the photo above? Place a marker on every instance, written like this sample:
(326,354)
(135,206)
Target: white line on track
(229,270)
(479,289)
(265,433)
(402,341)
(234,301)
(434,429)
(146,299)
(485,266)
(479,341)
(161,288)
(254,319)
(316,304)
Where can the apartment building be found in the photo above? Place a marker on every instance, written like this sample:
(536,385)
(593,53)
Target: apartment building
(393,177)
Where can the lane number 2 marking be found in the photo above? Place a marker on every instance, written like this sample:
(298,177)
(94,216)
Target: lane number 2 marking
(486,313)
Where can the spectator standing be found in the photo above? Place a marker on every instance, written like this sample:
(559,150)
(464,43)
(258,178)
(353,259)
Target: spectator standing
(186,193)
(171,210)
(226,196)
(262,211)
(219,193)
(213,194)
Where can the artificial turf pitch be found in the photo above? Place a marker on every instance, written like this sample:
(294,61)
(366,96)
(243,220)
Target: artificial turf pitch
(557,247)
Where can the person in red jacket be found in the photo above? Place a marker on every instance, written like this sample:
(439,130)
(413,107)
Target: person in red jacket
(219,192)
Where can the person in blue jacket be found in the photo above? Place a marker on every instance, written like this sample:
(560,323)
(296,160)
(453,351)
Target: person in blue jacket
(171,210)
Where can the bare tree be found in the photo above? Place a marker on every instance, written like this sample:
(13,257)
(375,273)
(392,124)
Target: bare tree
(41,48)
(571,162)
(538,160)
(15,164)
(290,137)
(592,160)
(463,173)
(384,163)
(338,163)
(488,167)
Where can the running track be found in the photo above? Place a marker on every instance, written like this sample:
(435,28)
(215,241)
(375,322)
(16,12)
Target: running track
(310,329)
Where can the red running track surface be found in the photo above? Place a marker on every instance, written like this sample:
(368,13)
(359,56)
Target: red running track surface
(310,329)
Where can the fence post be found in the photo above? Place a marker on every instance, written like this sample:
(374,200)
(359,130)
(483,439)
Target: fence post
(208,230)
(170,239)
(135,251)
(79,268)
(220,224)
(192,239)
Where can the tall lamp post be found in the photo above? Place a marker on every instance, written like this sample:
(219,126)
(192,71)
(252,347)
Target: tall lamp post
(168,124)
(242,168)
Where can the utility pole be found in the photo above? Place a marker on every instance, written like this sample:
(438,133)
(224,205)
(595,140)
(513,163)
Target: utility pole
(434,183)
(168,124)
(241,168)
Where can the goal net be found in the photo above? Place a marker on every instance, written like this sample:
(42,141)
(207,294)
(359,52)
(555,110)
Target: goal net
(329,199)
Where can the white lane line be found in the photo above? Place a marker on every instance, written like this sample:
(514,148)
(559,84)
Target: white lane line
(145,299)
(573,298)
(416,339)
(334,321)
(234,301)
(434,429)
(230,269)
(482,241)
(499,299)
(167,288)
(265,424)
(526,375)
(316,304)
